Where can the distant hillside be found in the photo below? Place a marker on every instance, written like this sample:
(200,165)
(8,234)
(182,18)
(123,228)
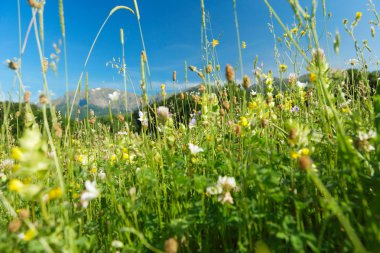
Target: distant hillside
(98,100)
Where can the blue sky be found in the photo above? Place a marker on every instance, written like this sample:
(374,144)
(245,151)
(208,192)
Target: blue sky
(172,36)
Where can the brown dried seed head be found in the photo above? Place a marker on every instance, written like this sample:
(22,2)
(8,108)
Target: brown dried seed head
(305,162)
(292,134)
(202,88)
(92,120)
(192,68)
(174,76)
(171,246)
(12,65)
(181,96)
(234,99)
(45,65)
(24,214)
(264,123)
(35,4)
(120,117)
(230,73)
(226,105)
(14,226)
(43,99)
(143,56)
(238,130)
(246,82)
(222,112)
(27,97)
(209,69)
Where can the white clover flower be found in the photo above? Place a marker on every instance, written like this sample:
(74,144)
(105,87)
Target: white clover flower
(117,244)
(214,190)
(143,118)
(163,113)
(253,93)
(194,149)
(114,96)
(102,175)
(89,194)
(226,183)
(226,198)
(301,85)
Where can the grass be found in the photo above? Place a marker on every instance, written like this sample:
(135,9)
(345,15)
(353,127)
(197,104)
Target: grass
(280,167)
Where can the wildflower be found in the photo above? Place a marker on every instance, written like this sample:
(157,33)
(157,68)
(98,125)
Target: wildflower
(244,121)
(163,113)
(283,68)
(226,183)
(294,155)
(243,45)
(89,194)
(358,16)
(352,62)
(294,30)
(192,123)
(163,87)
(215,42)
(102,175)
(295,109)
(171,246)
(194,149)
(55,193)
(226,198)
(292,78)
(253,93)
(143,119)
(16,185)
(114,96)
(16,153)
(29,235)
(230,73)
(313,77)
(117,244)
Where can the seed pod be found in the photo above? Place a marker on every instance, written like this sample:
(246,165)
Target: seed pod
(292,134)
(209,69)
(43,99)
(230,73)
(226,105)
(246,82)
(171,246)
(174,76)
(14,226)
(305,162)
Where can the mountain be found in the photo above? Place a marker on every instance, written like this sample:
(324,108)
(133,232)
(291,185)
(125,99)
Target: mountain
(98,100)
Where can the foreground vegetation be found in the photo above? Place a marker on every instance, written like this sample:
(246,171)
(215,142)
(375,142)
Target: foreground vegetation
(229,167)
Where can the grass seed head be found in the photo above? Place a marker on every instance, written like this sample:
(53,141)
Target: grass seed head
(230,73)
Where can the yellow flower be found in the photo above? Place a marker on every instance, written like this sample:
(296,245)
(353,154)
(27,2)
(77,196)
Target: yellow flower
(294,155)
(125,156)
(294,30)
(162,87)
(215,42)
(243,45)
(283,68)
(15,185)
(244,121)
(30,234)
(55,193)
(305,151)
(93,170)
(16,153)
(303,32)
(358,16)
(252,105)
(313,77)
